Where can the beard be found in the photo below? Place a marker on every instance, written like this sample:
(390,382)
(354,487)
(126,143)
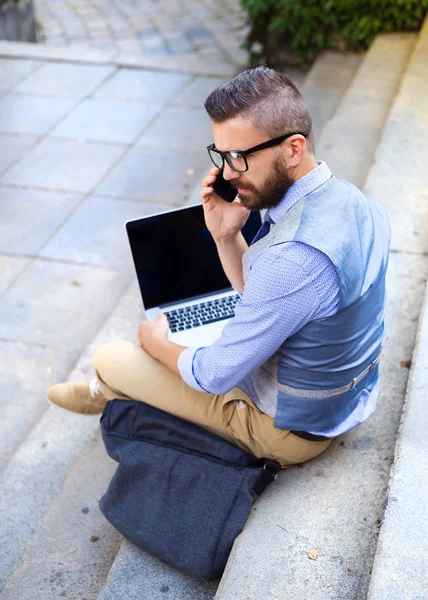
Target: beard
(268,194)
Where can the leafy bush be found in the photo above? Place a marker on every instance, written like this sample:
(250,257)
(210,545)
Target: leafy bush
(309,26)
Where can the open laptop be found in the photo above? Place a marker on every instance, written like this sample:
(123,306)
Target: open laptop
(180,274)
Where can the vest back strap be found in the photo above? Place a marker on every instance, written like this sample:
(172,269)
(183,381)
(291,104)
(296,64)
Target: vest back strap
(321,394)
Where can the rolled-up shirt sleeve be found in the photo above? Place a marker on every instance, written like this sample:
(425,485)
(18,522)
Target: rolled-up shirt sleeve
(288,285)
(185,366)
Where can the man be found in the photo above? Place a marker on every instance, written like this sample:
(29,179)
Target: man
(298,364)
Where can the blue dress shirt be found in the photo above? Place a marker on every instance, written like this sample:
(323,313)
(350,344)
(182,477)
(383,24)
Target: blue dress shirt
(288,285)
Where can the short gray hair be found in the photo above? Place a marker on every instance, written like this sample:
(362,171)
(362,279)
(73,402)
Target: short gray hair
(267,99)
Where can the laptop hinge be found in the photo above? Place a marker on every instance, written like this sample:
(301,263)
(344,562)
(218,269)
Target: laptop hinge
(195,298)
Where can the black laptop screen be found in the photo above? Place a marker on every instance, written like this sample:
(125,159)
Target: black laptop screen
(175,256)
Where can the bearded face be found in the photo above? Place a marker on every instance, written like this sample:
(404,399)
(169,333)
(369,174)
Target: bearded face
(269,192)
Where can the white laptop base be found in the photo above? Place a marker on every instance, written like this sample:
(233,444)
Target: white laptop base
(203,335)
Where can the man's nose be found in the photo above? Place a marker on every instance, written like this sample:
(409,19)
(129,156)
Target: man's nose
(229,173)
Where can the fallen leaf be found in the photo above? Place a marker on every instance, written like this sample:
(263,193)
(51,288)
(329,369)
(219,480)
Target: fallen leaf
(331,585)
(313,553)
(406,363)
(348,568)
(75,282)
(190,172)
(94,538)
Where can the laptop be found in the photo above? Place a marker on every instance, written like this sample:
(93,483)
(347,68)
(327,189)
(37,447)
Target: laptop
(180,274)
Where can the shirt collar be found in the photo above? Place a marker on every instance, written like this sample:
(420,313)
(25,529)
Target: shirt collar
(301,188)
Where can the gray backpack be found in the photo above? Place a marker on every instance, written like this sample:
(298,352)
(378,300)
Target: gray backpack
(179,492)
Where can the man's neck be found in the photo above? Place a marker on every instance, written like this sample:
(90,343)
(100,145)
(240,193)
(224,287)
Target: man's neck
(307,165)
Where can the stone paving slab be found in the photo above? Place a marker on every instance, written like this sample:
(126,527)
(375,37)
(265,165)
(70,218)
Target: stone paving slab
(167,176)
(16,146)
(10,268)
(197,90)
(179,128)
(65,80)
(59,305)
(30,115)
(59,164)
(60,560)
(25,373)
(151,86)
(30,217)
(119,121)
(96,235)
(13,71)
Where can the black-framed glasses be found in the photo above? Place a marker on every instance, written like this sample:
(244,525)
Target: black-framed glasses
(237,159)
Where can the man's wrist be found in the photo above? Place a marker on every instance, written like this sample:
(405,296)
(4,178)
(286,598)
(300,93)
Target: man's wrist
(226,240)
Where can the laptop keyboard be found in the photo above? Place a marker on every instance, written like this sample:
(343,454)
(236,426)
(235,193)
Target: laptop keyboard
(202,314)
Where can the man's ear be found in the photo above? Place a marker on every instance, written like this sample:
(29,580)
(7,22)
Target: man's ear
(296,150)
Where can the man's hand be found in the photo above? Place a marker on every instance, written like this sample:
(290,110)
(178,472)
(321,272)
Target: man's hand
(150,333)
(223,219)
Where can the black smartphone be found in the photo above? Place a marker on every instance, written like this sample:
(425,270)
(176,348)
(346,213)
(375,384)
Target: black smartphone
(223,188)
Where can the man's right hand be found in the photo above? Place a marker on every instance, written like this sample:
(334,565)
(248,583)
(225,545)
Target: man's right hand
(223,219)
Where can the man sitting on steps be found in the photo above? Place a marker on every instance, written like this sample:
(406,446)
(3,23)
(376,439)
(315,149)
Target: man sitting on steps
(298,364)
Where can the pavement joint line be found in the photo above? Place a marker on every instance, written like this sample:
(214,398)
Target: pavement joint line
(30,344)
(30,147)
(95,141)
(63,261)
(22,186)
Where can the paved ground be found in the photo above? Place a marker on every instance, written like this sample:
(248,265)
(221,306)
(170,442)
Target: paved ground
(211,30)
(84,149)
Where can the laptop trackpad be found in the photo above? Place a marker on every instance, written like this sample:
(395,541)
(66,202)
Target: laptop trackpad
(200,336)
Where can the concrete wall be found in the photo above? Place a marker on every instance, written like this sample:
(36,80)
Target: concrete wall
(17,21)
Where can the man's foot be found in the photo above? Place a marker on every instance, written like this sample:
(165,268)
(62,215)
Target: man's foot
(80,397)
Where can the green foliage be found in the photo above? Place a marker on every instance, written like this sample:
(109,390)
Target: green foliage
(308,26)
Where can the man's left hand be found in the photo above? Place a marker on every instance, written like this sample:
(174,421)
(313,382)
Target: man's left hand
(150,333)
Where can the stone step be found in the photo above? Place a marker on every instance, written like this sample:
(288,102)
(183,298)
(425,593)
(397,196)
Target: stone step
(128,576)
(326,84)
(349,140)
(332,503)
(400,565)
(136,575)
(35,474)
(71,552)
(73,471)
(400,175)
(335,503)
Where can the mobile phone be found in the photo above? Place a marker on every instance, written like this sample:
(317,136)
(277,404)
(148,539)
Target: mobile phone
(223,188)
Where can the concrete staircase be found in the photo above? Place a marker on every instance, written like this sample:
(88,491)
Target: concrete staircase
(54,541)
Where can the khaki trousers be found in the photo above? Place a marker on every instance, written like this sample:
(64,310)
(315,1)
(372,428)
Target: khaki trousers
(126,371)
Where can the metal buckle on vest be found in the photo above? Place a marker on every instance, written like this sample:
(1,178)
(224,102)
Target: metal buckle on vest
(374,363)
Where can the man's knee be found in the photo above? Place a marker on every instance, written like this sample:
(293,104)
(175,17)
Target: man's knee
(109,356)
